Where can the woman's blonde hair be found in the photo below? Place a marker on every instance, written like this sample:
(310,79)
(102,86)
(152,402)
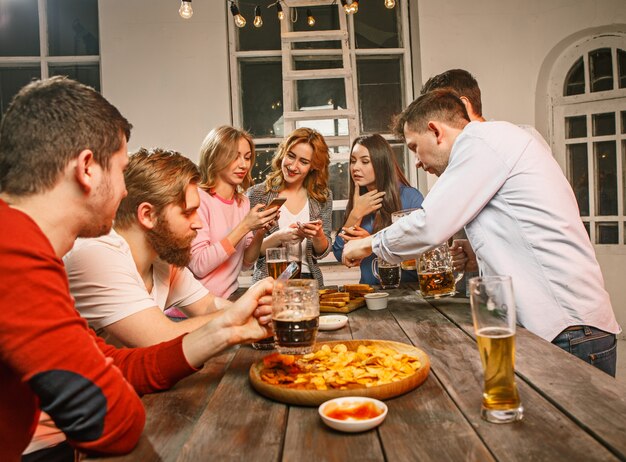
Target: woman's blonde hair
(219,149)
(316,182)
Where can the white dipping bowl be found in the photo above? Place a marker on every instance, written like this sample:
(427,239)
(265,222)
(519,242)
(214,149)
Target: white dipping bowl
(376,300)
(353,425)
(332,322)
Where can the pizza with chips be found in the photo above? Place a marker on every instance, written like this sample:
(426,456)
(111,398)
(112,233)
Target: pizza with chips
(340,368)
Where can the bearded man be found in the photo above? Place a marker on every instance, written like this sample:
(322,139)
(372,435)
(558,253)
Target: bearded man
(124,281)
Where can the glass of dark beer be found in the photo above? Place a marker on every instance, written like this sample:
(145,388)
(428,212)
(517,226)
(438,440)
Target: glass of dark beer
(493,312)
(295,315)
(435,273)
(387,273)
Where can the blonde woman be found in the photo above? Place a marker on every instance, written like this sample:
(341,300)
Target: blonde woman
(300,175)
(232,233)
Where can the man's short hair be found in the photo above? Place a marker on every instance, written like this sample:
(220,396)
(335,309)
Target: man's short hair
(49,123)
(441,105)
(156,176)
(459,81)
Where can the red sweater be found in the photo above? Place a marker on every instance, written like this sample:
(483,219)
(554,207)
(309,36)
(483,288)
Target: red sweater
(50,359)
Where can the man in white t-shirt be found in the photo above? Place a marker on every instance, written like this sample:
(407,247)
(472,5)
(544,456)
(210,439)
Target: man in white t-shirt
(520,215)
(123,281)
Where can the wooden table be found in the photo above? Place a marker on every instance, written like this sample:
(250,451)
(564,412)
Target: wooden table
(572,410)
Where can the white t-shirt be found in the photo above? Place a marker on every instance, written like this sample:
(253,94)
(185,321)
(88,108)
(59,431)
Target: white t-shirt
(107,287)
(522,220)
(287,218)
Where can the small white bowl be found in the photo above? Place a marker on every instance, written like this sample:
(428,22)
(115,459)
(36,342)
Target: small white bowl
(376,300)
(353,425)
(332,322)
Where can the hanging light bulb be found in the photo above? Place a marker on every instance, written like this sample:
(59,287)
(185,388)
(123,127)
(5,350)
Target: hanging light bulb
(240,21)
(279,11)
(185,11)
(309,18)
(390,4)
(353,7)
(344,3)
(258,20)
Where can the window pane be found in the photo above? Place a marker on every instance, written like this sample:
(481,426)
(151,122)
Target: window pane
(326,18)
(322,94)
(19,28)
(579,175)
(623,121)
(12,79)
(73,27)
(376,26)
(601,69)
(263,163)
(603,124)
(607,233)
(575,80)
(576,127)
(606,177)
(266,37)
(89,74)
(262,98)
(621,68)
(587,228)
(624,175)
(380,92)
(340,180)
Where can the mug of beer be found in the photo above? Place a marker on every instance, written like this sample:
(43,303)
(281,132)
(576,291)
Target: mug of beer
(435,273)
(295,315)
(387,273)
(493,312)
(407,265)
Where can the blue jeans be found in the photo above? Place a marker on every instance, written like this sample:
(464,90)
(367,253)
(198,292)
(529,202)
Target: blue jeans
(595,346)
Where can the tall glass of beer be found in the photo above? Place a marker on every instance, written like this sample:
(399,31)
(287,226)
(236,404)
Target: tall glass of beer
(295,315)
(493,312)
(407,265)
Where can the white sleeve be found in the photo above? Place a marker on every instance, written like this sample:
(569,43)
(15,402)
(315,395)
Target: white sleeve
(105,284)
(474,175)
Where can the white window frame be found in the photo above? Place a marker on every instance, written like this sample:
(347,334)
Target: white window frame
(44,60)
(405,70)
(586,104)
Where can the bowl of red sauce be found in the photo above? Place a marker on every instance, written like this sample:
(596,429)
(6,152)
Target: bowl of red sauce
(353,413)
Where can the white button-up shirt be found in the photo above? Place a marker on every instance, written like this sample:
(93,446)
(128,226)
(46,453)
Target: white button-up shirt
(522,220)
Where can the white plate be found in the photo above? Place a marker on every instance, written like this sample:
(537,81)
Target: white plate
(333,322)
(351,425)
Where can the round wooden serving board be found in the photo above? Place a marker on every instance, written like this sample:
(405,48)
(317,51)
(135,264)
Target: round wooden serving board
(317,397)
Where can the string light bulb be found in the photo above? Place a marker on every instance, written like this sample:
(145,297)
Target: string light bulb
(258,20)
(185,11)
(279,11)
(353,7)
(240,21)
(390,4)
(344,3)
(309,18)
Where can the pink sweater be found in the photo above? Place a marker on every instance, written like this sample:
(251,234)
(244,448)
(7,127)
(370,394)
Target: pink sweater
(214,261)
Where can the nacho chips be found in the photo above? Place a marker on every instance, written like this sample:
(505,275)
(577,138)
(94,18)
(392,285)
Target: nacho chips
(339,368)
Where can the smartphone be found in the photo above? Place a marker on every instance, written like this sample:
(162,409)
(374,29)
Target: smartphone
(277,202)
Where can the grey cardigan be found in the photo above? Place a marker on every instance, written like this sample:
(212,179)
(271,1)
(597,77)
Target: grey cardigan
(317,211)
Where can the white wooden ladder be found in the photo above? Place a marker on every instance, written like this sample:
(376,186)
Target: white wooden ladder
(291,76)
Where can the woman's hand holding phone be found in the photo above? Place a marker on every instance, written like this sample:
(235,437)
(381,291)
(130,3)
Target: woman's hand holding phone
(311,229)
(260,217)
(353,232)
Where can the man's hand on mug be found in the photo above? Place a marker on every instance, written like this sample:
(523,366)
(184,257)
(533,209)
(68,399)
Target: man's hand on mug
(356,250)
(463,256)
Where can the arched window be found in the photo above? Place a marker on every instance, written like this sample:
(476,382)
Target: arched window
(588,94)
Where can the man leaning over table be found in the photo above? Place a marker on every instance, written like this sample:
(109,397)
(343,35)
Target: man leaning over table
(62,156)
(520,215)
(123,281)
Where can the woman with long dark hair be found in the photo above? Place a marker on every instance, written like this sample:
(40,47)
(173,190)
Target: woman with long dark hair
(377,189)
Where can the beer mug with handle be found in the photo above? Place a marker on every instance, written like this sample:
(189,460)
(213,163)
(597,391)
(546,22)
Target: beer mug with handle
(493,312)
(436,274)
(387,273)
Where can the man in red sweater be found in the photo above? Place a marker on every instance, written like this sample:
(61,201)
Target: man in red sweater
(62,157)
